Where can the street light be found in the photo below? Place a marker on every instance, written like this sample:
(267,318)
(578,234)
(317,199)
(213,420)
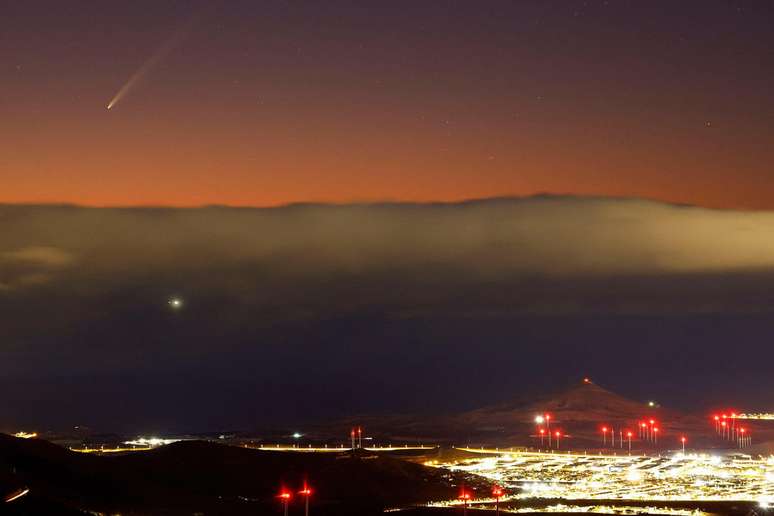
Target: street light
(548,428)
(306,493)
(629,435)
(604,436)
(542,434)
(285,497)
(655,436)
(465,497)
(558,435)
(497,492)
(733,424)
(682,441)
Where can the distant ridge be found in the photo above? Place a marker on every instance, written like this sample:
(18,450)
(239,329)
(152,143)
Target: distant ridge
(582,402)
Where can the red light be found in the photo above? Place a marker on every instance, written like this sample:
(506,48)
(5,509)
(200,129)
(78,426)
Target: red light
(548,416)
(717,417)
(558,434)
(628,434)
(497,492)
(723,416)
(644,425)
(604,429)
(464,495)
(723,423)
(542,431)
(655,429)
(682,439)
(285,495)
(652,422)
(305,491)
(742,430)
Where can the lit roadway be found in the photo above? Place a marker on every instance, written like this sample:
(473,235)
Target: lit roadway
(341,448)
(760,416)
(16,495)
(574,476)
(276,447)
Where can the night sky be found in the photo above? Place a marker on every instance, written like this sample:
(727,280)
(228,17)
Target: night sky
(269,102)
(380,207)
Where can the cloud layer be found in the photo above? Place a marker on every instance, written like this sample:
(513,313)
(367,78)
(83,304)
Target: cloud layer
(289,249)
(337,290)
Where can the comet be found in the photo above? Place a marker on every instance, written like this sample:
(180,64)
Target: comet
(153,61)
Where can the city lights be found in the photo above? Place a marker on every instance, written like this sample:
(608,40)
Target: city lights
(575,476)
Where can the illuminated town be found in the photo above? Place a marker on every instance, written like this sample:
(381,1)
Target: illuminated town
(582,476)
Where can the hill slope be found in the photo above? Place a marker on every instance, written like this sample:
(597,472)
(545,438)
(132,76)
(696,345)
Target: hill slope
(188,477)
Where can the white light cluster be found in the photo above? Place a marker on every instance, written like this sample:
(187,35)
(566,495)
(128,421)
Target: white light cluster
(151,442)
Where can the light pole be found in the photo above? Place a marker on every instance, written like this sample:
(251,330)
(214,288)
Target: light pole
(629,435)
(285,497)
(306,493)
(733,425)
(604,436)
(548,428)
(542,435)
(465,497)
(539,421)
(497,492)
(655,436)
(558,435)
(682,441)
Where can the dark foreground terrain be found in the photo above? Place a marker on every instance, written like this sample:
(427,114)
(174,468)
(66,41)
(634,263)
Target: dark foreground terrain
(207,478)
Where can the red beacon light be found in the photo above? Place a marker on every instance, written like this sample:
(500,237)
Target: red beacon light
(497,492)
(284,495)
(465,496)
